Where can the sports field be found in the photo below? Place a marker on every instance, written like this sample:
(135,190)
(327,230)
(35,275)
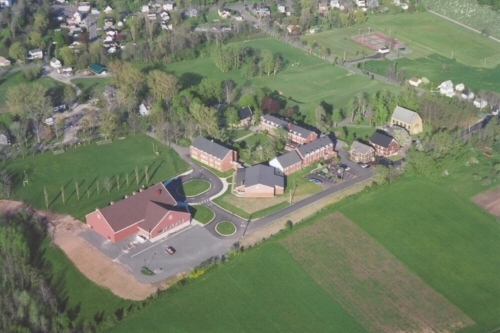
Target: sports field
(90,166)
(309,84)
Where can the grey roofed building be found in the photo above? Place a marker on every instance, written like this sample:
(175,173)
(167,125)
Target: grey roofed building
(265,175)
(288,159)
(315,145)
(381,139)
(291,128)
(274,121)
(404,115)
(245,113)
(210,147)
(361,147)
(298,130)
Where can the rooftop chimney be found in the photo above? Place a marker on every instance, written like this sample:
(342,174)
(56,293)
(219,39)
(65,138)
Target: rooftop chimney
(158,192)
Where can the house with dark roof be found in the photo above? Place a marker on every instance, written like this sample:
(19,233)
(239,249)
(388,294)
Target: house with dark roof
(152,213)
(287,163)
(296,133)
(361,153)
(384,144)
(259,181)
(323,148)
(98,69)
(213,154)
(409,120)
(246,116)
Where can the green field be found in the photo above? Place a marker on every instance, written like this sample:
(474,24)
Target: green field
(88,166)
(194,187)
(202,213)
(92,84)
(257,292)
(309,84)
(448,241)
(83,299)
(13,79)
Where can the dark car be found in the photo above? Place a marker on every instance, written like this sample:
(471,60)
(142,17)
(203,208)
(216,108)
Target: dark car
(170,250)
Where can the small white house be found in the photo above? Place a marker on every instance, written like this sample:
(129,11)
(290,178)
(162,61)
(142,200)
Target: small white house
(145,9)
(94,11)
(383,50)
(480,103)
(35,54)
(49,121)
(144,109)
(55,63)
(446,88)
(108,9)
(84,8)
(468,95)
(169,5)
(281,9)
(460,87)
(415,81)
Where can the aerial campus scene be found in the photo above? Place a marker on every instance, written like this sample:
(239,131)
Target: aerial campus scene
(249,166)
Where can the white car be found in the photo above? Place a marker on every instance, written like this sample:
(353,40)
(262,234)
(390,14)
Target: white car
(141,239)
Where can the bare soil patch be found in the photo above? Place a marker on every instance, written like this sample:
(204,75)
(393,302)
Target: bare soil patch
(489,200)
(373,286)
(64,231)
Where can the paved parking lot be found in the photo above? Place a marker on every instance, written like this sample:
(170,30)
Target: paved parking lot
(193,246)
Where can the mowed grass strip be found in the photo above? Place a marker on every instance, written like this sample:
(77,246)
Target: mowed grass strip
(368,281)
(448,241)
(265,290)
(89,166)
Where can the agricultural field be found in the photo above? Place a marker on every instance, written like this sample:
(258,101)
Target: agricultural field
(54,87)
(257,292)
(91,166)
(309,84)
(448,241)
(469,13)
(363,276)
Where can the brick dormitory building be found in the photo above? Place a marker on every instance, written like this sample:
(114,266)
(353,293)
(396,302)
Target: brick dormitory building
(213,154)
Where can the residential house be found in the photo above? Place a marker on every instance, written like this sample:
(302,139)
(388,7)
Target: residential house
(261,10)
(55,63)
(407,119)
(164,16)
(336,4)
(4,137)
(108,10)
(281,8)
(224,12)
(480,103)
(296,133)
(384,144)
(446,88)
(145,108)
(145,8)
(459,88)
(322,148)
(467,94)
(152,213)
(361,3)
(293,29)
(259,181)
(415,81)
(287,163)
(4,62)
(169,5)
(98,69)
(361,153)
(84,7)
(35,54)
(213,154)
(323,8)
(246,116)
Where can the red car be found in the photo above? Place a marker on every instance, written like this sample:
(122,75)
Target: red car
(170,250)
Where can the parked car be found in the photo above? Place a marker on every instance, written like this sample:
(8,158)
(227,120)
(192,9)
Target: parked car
(141,239)
(170,250)
(365,165)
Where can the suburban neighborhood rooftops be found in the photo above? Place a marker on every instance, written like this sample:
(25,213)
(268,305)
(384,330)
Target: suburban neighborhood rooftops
(289,159)
(245,113)
(210,147)
(381,139)
(361,147)
(404,115)
(274,121)
(315,145)
(265,175)
(136,207)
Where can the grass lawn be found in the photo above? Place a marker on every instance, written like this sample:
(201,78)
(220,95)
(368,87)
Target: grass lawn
(12,79)
(264,290)
(239,133)
(194,187)
(312,82)
(202,213)
(438,68)
(447,240)
(84,299)
(225,228)
(89,166)
(92,83)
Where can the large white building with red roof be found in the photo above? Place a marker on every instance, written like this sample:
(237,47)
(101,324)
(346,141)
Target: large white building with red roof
(152,213)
